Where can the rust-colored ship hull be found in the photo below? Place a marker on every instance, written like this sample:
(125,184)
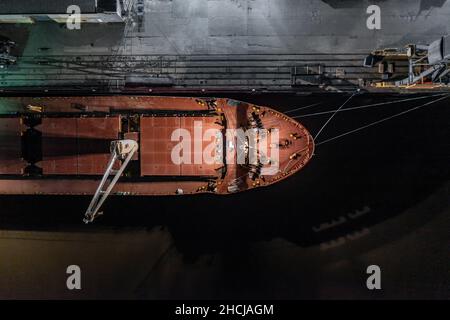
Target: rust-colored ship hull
(60,145)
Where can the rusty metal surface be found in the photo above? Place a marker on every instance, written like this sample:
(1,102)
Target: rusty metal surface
(107,104)
(10,146)
(77,145)
(88,187)
(157,146)
(203,168)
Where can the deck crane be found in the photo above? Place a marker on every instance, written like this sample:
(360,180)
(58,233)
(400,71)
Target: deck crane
(121,151)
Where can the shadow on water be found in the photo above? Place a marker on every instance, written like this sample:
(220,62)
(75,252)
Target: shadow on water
(380,171)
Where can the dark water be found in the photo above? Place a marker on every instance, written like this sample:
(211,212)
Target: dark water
(385,169)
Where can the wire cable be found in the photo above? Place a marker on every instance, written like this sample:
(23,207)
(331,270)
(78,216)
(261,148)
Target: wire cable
(382,120)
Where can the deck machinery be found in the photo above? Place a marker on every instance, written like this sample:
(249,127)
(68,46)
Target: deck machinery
(428,65)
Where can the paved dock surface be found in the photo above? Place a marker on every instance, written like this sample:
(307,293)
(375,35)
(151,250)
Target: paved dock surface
(192,44)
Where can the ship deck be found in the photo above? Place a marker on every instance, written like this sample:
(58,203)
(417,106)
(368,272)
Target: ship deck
(10,146)
(77,146)
(61,145)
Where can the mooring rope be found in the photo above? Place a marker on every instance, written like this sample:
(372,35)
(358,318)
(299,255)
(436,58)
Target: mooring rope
(332,116)
(302,108)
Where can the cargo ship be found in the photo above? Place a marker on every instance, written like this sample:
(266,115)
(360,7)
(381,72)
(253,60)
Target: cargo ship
(144,145)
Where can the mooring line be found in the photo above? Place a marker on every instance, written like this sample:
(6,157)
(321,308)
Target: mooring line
(305,107)
(332,116)
(367,106)
(383,120)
